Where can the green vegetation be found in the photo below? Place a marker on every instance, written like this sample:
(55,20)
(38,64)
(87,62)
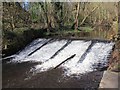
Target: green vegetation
(18,39)
(23,23)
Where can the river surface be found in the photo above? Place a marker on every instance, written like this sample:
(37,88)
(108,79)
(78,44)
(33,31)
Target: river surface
(55,63)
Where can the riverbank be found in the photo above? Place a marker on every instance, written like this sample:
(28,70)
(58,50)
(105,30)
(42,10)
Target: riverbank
(114,61)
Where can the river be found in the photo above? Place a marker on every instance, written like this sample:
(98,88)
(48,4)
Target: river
(57,63)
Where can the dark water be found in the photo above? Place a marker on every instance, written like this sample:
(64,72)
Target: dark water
(18,76)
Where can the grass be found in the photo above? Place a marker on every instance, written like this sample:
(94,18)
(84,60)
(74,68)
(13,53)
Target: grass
(20,30)
(86,29)
(71,31)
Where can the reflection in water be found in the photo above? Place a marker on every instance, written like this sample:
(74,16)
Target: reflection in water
(100,32)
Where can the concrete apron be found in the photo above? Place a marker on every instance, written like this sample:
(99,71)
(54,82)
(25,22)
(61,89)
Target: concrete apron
(109,80)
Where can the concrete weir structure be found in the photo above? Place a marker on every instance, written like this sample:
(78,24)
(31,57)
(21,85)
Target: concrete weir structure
(90,55)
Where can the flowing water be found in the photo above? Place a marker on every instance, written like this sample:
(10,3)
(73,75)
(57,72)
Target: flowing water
(70,57)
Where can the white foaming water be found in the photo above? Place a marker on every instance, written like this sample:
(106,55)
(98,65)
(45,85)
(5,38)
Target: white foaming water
(28,49)
(47,51)
(98,55)
(43,53)
(95,58)
(76,47)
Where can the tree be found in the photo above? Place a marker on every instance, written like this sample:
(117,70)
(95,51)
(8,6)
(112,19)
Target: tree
(75,24)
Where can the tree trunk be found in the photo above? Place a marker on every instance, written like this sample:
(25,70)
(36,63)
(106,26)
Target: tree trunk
(75,24)
(76,18)
(48,21)
(12,23)
(88,15)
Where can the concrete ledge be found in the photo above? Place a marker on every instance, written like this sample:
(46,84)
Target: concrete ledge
(109,80)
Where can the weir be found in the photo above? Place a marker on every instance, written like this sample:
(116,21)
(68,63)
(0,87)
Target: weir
(68,42)
(40,47)
(75,56)
(85,53)
(77,47)
(28,49)
(96,58)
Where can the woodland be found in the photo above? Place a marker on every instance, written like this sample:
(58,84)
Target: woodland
(25,21)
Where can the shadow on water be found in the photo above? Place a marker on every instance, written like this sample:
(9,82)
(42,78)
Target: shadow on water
(14,76)
(13,73)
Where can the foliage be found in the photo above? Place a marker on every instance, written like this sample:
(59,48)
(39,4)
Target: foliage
(22,24)
(17,39)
